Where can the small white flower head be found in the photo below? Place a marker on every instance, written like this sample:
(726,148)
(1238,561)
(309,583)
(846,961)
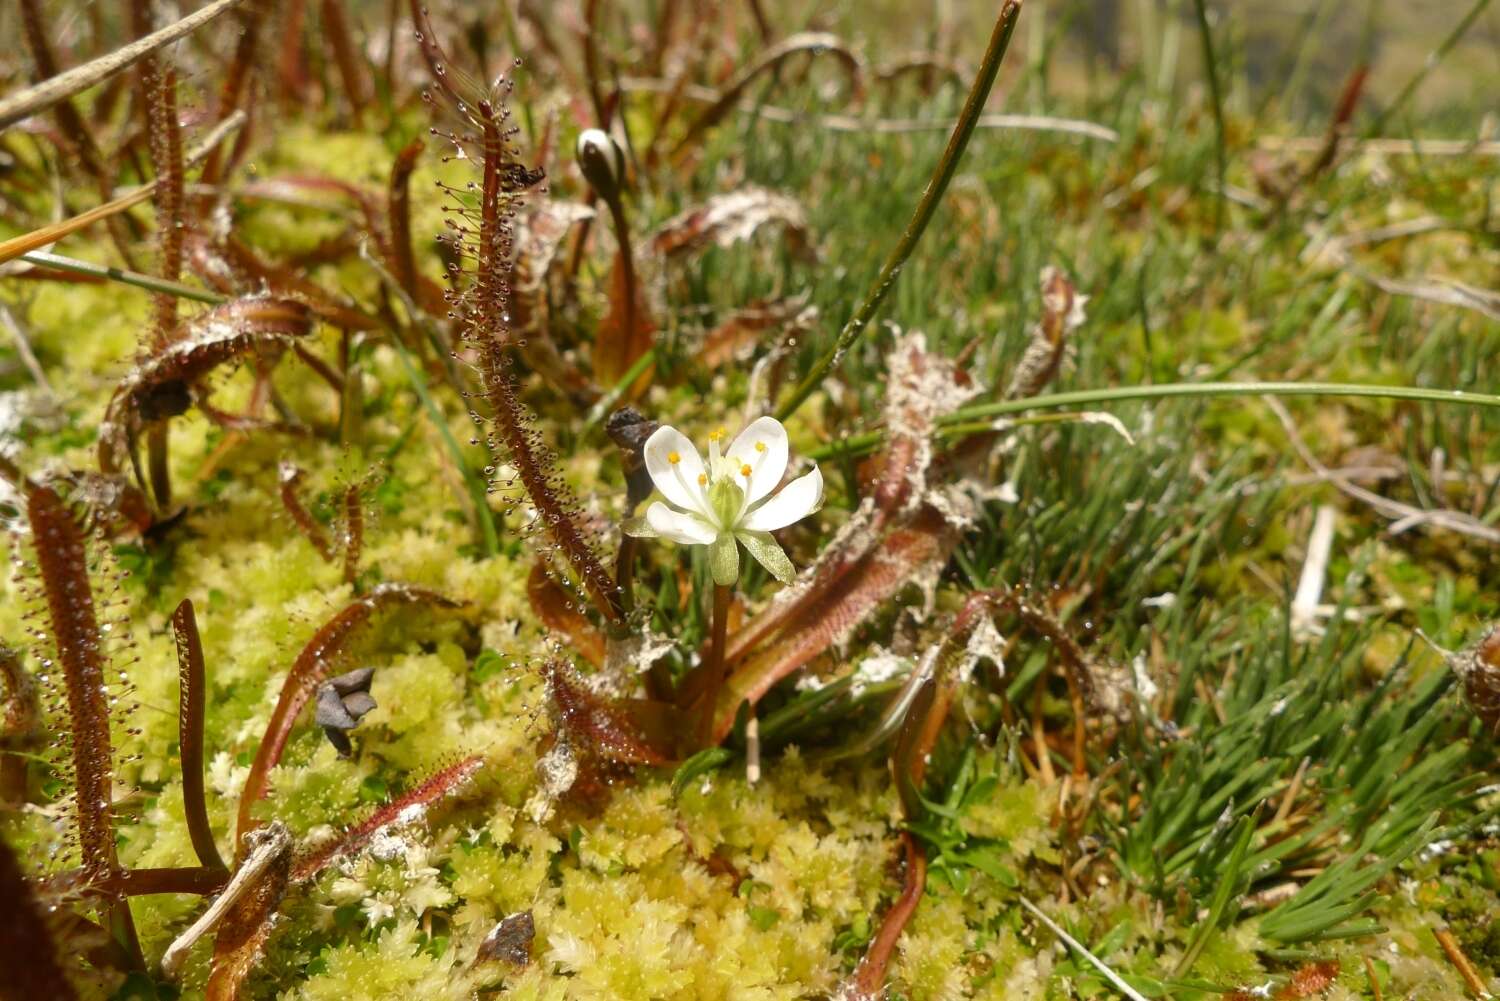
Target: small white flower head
(727,502)
(602,162)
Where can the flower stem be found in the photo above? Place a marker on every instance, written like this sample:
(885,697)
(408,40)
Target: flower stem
(936,186)
(715,665)
(859,444)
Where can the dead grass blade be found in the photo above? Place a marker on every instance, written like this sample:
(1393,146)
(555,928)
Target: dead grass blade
(47,93)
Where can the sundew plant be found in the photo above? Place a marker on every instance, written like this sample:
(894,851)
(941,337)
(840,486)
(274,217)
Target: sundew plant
(749,499)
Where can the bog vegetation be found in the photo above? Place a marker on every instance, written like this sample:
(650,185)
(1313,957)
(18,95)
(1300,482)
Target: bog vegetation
(1099,599)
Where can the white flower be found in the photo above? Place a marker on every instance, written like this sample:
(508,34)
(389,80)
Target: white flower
(728,502)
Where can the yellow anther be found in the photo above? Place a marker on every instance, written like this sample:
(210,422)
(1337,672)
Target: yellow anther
(702,479)
(760,446)
(716,434)
(673,458)
(745,469)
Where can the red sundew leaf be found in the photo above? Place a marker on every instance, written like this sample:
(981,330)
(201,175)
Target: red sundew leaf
(327,648)
(832,614)
(161,386)
(1310,979)
(595,724)
(62,560)
(27,952)
(554,607)
(402,810)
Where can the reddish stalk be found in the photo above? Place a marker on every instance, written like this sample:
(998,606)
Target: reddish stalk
(291,479)
(398,208)
(329,647)
(869,977)
(346,57)
(72,125)
(354,532)
(190,697)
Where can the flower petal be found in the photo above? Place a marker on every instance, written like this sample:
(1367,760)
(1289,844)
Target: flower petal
(768,554)
(677,481)
(767,465)
(680,527)
(796,501)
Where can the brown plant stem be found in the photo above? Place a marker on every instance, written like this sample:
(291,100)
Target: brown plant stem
(190,698)
(714,665)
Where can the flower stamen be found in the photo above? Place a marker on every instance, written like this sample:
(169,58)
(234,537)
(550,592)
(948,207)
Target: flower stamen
(673,458)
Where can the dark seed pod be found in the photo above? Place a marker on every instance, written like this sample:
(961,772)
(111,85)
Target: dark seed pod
(1478,667)
(628,429)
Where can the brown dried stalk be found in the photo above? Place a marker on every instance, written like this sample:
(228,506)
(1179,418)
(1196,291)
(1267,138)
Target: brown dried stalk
(808,42)
(71,123)
(329,647)
(190,696)
(61,86)
(247,924)
(28,954)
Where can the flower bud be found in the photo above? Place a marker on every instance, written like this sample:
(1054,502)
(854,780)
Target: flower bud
(602,162)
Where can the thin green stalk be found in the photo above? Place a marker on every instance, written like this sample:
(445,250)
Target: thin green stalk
(1433,60)
(858,444)
(607,402)
(946,167)
(56,261)
(714,665)
(1211,64)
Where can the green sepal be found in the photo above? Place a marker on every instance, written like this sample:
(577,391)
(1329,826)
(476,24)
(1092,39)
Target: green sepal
(769,554)
(724,560)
